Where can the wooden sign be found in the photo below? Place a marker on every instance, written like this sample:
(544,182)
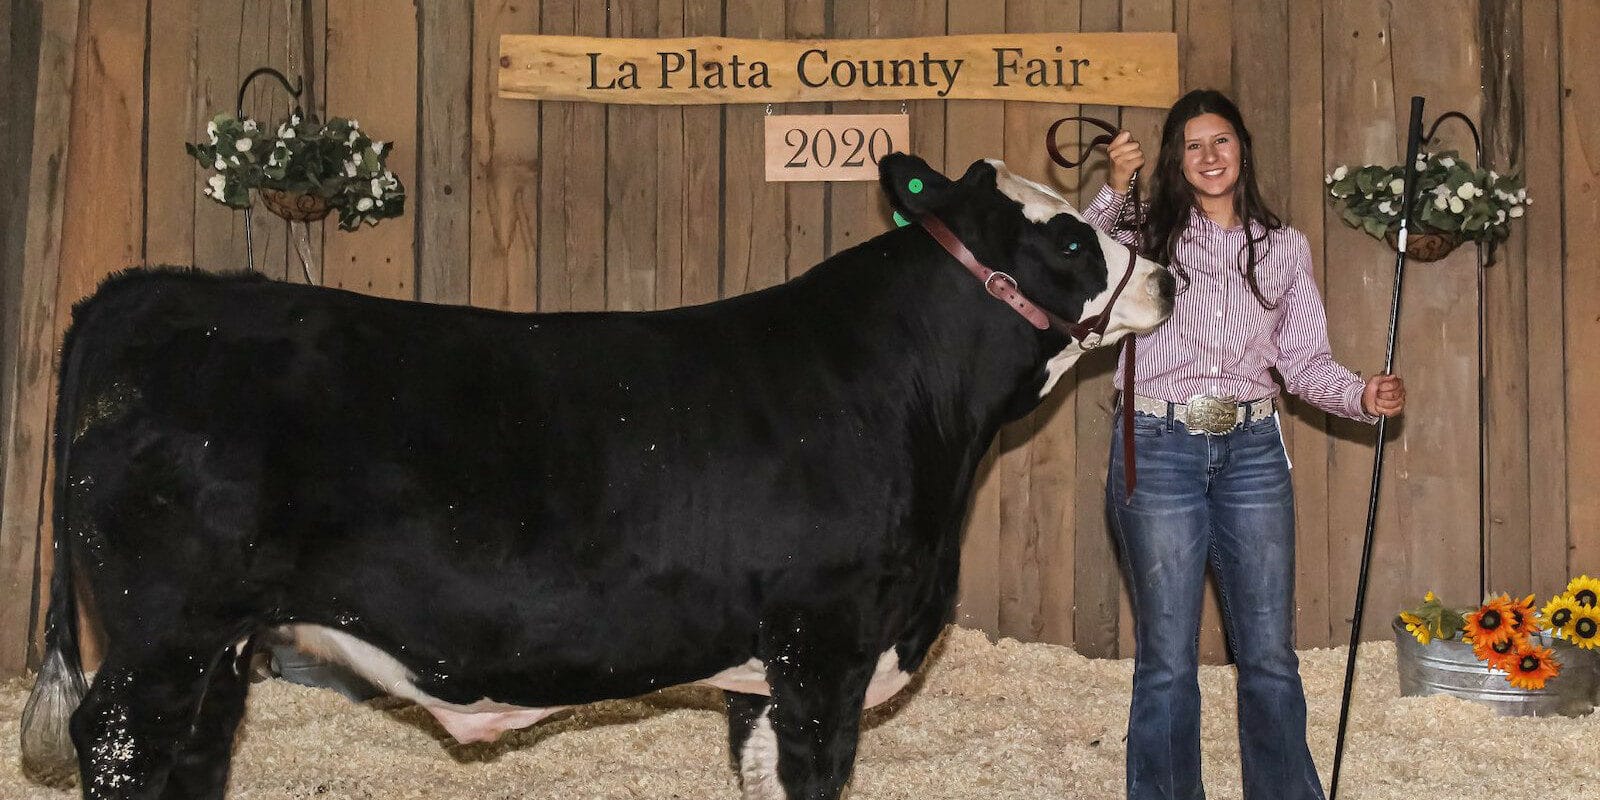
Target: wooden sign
(832,147)
(1126,69)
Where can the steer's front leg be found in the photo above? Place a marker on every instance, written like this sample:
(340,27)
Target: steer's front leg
(819,678)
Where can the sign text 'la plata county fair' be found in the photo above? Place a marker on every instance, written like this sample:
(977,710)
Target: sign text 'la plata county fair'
(1130,69)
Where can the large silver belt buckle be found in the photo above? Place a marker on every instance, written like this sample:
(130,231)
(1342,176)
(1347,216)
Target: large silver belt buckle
(1211,414)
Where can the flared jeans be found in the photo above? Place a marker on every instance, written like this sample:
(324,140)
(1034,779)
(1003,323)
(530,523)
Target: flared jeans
(1224,501)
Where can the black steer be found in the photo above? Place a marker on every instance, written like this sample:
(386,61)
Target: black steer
(497,515)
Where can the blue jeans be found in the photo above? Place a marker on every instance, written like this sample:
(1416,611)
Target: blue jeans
(1225,501)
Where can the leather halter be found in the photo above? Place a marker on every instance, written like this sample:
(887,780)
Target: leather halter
(1001,286)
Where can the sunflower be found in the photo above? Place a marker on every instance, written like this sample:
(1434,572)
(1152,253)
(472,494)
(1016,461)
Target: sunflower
(1585,630)
(1524,619)
(1501,653)
(1431,620)
(1416,626)
(1530,667)
(1558,612)
(1491,623)
(1585,591)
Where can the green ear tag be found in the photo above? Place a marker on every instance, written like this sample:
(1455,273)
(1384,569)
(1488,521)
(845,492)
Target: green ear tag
(899,221)
(915,186)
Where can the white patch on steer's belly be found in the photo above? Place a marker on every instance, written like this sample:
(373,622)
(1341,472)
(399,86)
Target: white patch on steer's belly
(481,721)
(751,678)
(485,719)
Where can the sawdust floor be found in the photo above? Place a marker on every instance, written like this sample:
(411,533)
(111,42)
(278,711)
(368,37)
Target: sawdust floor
(1004,720)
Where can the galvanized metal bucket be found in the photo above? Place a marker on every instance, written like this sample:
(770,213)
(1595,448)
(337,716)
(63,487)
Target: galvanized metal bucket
(1449,667)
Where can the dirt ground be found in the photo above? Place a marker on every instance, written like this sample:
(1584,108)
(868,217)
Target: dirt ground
(1004,720)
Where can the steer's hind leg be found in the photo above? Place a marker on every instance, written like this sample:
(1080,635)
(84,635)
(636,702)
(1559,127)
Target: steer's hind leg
(752,748)
(200,766)
(819,681)
(134,721)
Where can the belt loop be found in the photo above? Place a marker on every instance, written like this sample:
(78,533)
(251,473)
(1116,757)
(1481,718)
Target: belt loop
(1170,407)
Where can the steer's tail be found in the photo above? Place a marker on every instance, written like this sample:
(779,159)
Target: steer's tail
(48,755)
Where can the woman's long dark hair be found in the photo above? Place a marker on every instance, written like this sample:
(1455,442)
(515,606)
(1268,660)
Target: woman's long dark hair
(1172,199)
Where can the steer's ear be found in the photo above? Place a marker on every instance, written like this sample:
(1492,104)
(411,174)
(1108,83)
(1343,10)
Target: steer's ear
(911,185)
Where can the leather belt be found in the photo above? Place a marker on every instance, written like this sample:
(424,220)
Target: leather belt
(1207,413)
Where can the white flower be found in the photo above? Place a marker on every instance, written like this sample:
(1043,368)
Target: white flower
(1397,186)
(217,183)
(1467,191)
(1385,207)
(1447,162)
(350,169)
(389,180)
(294,119)
(1522,194)
(285,132)
(1499,217)
(363,204)
(1441,203)
(1516,211)
(1493,176)
(211,130)
(1327,179)
(250,125)
(243,145)
(220,165)
(1422,163)
(1456,205)
(377,187)
(377,148)
(351,139)
(1441,191)
(234,159)
(1340,171)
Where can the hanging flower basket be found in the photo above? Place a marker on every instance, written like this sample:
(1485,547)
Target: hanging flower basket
(303,169)
(295,206)
(1425,245)
(1454,202)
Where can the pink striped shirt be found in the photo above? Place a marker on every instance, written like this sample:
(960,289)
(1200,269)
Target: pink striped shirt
(1220,340)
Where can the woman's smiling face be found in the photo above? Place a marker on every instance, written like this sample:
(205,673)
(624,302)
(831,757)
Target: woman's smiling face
(1211,156)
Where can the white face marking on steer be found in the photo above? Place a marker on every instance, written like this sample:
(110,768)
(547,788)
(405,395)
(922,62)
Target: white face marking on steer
(1140,308)
(485,719)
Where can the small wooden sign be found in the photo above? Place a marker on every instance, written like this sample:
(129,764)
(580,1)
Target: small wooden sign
(832,147)
(1127,69)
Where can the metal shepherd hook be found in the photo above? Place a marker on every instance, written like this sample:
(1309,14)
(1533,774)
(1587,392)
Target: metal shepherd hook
(1407,201)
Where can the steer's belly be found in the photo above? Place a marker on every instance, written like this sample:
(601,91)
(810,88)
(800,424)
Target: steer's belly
(484,720)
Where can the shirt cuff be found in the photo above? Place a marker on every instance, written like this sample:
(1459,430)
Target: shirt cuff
(1352,403)
(1110,200)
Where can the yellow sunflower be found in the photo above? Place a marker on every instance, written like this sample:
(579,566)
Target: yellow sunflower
(1585,591)
(1431,620)
(1558,612)
(1530,667)
(1416,626)
(1585,631)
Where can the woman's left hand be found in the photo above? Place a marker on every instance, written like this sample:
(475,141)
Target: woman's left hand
(1384,396)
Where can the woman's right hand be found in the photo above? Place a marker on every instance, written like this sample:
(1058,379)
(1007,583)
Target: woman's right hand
(1126,158)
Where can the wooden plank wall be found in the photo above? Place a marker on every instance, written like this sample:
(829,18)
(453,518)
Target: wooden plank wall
(556,206)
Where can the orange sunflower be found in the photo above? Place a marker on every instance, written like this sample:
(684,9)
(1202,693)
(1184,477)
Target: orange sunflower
(1585,630)
(1490,625)
(1531,666)
(1524,619)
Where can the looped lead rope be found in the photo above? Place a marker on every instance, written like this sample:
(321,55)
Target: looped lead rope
(1130,219)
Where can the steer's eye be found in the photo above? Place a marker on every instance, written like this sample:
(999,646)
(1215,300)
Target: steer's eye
(1072,247)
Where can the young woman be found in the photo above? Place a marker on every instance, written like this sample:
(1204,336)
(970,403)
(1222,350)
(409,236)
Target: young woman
(1213,475)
